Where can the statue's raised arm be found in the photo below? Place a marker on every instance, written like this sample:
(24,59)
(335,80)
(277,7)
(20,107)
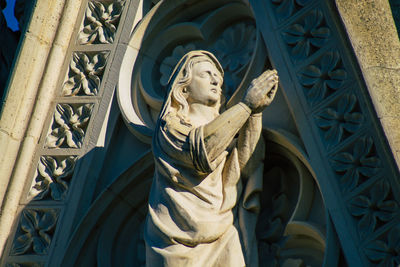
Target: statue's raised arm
(192,218)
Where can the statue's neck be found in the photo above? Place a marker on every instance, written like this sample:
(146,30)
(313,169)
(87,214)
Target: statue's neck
(200,114)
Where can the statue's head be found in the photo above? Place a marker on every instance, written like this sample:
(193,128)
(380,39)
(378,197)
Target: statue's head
(197,78)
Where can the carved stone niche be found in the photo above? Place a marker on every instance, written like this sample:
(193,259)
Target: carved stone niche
(291,230)
(170,30)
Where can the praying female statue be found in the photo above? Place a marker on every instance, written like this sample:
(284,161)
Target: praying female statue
(203,202)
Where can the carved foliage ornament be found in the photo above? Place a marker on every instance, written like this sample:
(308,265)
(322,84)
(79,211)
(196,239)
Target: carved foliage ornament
(340,120)
(52,178)
(69,125)
(307,35)
(374,208)
(356,165)
(85,73)
(386,251)
(35,231)
(323,77)
(100,22)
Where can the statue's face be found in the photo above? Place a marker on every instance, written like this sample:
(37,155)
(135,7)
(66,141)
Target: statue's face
(205,86)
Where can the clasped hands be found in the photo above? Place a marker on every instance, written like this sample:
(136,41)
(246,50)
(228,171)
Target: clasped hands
(261,91)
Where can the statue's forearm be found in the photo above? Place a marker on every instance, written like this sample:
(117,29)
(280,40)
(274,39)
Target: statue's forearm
(219,133)
(249,136)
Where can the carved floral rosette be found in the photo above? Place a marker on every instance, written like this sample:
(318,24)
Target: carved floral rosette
(144,74)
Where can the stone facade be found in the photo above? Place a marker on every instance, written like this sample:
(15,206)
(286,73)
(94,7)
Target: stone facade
(87,84)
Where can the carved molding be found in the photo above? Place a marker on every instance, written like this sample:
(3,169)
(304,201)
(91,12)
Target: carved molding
(287,232)
(66,128)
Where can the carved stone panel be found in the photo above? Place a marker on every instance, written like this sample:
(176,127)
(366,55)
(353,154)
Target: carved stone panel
(100,23)
(69,125)
(52,178)
(85,74)
(35,231)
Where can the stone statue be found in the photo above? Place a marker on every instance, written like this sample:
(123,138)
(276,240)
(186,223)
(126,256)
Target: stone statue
(203,202)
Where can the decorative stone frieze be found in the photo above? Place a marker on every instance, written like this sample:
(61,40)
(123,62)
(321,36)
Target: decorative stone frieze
(69,125)
(356,165)
(35,231)
(52,178)
(307,35)
(337,108)
(385,251)
(323,77)
(100,22)
(374,208)
(340,120)
(85,74)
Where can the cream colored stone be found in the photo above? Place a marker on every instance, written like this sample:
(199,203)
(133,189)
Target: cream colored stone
(46,19)
(384,88)
(21,94)
(372,31)
(391,126)
(198,169)
(31,91)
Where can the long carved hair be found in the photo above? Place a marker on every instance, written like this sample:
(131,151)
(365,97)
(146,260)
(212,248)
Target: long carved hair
(181,77)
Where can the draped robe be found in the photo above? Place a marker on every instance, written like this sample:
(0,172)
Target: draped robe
(203,212)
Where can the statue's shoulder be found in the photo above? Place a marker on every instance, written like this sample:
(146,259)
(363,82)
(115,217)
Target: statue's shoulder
(174,125)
